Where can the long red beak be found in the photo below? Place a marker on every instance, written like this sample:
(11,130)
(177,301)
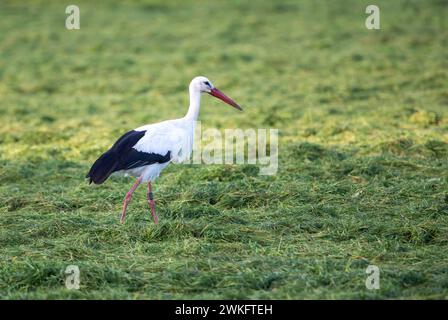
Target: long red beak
(218,94)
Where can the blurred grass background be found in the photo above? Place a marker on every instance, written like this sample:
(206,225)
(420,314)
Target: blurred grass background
(363,149)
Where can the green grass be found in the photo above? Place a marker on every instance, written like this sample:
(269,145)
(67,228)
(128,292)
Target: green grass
(363,158)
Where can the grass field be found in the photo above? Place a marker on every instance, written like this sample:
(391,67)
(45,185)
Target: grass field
(363,155)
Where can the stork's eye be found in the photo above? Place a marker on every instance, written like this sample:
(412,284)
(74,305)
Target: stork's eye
(208,84)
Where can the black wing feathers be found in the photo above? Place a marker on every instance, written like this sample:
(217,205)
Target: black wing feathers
(122,156)
(135,159)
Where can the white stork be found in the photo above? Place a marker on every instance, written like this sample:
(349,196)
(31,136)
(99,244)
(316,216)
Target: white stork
(144,152)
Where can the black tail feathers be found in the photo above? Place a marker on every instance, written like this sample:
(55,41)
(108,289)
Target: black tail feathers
(103,167)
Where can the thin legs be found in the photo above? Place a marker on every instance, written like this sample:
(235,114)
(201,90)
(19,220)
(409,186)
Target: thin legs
(128,198)
(151,203)
(150,196)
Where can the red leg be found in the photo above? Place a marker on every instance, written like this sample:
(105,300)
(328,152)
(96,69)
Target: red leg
(128,197)
(151,203)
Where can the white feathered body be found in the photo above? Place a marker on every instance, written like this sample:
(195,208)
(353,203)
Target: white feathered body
(174,136)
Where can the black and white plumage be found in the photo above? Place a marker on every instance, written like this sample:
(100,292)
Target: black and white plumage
(145,151)
(124,157)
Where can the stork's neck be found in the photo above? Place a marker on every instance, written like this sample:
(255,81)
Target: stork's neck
(195,104)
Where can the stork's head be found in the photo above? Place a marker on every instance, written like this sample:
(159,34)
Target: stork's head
(202,84)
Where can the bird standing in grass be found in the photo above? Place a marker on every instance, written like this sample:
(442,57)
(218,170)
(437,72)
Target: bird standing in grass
(144,152)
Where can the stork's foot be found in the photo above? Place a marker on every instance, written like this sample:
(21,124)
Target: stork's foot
(152,204)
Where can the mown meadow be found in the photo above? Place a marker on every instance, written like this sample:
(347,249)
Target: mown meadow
(363,150)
